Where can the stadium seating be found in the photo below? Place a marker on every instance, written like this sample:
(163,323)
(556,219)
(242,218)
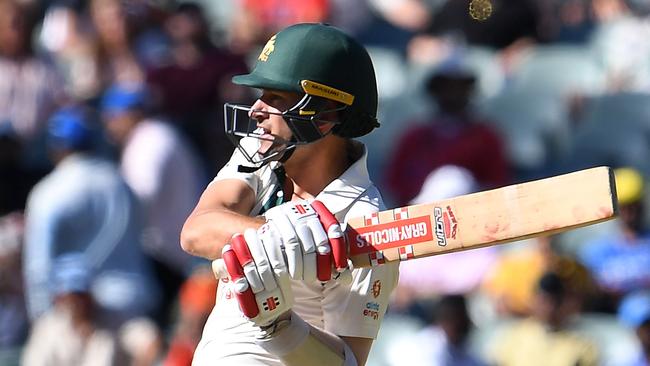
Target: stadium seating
(558,70)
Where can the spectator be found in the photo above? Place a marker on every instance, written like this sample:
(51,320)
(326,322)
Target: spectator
(30,88)
(511,282)
(510,21)
(257,20)
(142,341)
(634,312)
(115,34)
(163,172)
(17,178)
(546,338)
(13,313)
(85,206)
(620,261)
(445,342)
(68,334)
(620,39)
(192,88)
(73,48)
(455,136)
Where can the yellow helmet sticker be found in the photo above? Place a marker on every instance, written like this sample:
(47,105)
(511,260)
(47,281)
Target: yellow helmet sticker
(320,90)
(268,48)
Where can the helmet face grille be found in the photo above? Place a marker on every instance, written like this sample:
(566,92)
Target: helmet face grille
(303,119)
(242,131)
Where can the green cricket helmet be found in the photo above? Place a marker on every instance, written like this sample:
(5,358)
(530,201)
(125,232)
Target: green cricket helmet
(323,64)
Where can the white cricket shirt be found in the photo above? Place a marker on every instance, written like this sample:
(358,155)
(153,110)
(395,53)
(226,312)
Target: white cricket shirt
(355,310)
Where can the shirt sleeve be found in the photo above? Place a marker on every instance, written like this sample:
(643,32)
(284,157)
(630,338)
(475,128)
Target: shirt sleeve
(231,171)
(263,181)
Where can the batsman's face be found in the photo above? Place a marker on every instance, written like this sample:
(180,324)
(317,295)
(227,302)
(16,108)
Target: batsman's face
(266,111)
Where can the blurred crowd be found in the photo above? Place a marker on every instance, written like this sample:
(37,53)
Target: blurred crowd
(111,125)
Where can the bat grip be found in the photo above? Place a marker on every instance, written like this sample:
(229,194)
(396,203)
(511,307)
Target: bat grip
(219,269)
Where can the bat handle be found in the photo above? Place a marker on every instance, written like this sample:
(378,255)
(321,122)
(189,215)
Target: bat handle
(219,269)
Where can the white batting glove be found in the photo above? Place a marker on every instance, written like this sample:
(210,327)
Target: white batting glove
(261,282)
(312,240)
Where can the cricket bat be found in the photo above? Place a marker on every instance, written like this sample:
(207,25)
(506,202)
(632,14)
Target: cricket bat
(541,207)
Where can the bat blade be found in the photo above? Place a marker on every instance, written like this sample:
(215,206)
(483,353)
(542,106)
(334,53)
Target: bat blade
(542,207)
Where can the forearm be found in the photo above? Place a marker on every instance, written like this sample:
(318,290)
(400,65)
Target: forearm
(205,233)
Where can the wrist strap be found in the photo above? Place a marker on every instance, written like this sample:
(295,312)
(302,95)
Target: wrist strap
(286,335)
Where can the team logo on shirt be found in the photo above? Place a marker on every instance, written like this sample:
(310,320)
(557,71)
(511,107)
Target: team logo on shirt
(376,289)
(371,310)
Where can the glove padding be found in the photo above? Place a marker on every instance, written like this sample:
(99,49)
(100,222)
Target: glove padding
(261,282)
(312,240)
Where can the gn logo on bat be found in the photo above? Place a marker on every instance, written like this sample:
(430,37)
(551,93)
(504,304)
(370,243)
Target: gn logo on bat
(440,226)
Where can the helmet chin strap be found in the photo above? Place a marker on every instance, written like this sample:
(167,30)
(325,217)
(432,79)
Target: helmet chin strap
(287,153)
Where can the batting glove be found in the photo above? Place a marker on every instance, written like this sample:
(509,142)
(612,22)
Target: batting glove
(260,280)
(312,240)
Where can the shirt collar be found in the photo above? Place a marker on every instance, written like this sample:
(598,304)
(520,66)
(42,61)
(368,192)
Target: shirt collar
(344,190)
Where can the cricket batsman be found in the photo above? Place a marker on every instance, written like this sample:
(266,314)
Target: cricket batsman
(275,213)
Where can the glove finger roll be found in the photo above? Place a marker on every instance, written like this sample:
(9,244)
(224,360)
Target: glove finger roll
(334,233)
(309,253)
(292,247)
(247,262)
(243,292)
(261,260)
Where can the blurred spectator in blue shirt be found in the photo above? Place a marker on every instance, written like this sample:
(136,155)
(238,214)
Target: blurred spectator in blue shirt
(164,173)
(85,206)
(620,261)
(634,312)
